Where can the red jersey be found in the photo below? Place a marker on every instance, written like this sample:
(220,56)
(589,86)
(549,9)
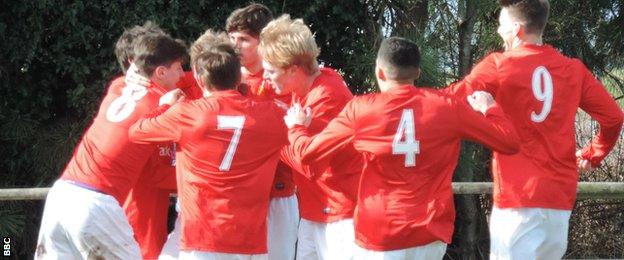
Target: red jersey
(189,86)
(283,184)
(147,204)
(410,139)
(229,147)
(105,159)
(326,191)
(541,90)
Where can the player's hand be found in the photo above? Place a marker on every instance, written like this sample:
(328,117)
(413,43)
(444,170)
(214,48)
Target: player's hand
(133,77)
(281,104)
(296,115)
(171,97)
(582,164)
(481,101)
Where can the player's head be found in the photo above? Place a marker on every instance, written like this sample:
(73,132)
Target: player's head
(287,48)
(215,63)
(398,60)
(124,47)
(160,57)
(522,19)
(244,26)
(207,40)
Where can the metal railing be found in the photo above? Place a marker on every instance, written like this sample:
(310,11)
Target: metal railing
(586,190)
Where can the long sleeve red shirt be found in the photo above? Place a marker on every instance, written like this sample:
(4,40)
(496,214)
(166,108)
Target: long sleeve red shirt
(410,139)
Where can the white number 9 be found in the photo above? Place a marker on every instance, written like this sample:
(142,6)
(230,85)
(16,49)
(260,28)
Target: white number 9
(123,106)
(542,93)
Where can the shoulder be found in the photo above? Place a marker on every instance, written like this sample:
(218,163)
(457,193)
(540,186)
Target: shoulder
(330,81)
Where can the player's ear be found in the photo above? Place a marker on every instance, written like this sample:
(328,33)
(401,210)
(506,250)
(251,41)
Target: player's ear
(160,71)
(379,72)
(417,73)
(518,30)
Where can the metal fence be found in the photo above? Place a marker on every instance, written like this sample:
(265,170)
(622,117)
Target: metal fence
(586,190)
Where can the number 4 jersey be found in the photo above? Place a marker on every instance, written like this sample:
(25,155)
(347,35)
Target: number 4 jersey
(540,90)
(228,150)
(105,159)
(410,139)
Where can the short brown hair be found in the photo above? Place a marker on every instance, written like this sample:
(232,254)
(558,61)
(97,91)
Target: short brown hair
(532,13)
(124,47)
(250,19)
(218,66)
(206,41)
(153,50)
(285,42)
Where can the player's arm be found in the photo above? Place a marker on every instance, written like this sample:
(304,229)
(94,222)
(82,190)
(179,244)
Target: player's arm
(599,104)
(489,126)
(482,77)
(313,153)
(164,124)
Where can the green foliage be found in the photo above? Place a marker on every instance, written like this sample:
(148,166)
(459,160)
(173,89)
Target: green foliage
(57,59)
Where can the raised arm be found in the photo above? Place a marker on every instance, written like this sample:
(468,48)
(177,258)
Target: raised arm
(489,126)
(313,153)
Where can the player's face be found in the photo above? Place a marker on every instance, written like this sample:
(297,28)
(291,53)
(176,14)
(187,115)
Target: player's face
(506,29)
(172,74)
(247,47)
(278,77)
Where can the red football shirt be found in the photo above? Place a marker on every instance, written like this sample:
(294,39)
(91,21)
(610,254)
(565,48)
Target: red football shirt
(147,204)
(541,90)
(326,191)
(189,86)
(229,150)
(283,184)
(105,159)
(410,139)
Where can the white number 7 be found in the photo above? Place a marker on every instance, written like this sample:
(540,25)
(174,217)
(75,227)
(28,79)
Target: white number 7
(226,123)
(409,147)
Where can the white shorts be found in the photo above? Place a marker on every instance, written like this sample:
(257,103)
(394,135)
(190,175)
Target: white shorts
(171,249)
(78,223)
(431,251)
(283,222)
(326,241)
(203,255)
(528,233)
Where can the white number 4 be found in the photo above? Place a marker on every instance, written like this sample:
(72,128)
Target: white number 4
(406,131)
(227,123)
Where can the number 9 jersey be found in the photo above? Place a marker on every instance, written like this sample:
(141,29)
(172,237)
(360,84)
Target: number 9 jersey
(105,159)
(540,90)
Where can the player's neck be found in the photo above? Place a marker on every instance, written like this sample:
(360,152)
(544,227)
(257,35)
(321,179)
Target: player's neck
(307,82)
(390,84)
(160,84)
(529,39)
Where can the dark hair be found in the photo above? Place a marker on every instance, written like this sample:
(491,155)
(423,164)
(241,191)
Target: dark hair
(250,19)
(219,67)
(124,48)
(153,50)
(533,13)
(401,58)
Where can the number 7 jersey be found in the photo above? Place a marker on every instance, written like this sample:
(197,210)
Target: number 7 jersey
(228,152)
(541,91)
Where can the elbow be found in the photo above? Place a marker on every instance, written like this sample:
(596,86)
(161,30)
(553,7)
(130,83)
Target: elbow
(133,134)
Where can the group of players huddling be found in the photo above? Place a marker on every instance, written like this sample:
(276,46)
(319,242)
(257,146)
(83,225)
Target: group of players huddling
(272,157)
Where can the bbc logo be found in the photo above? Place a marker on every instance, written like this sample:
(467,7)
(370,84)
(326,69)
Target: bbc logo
(6,249)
